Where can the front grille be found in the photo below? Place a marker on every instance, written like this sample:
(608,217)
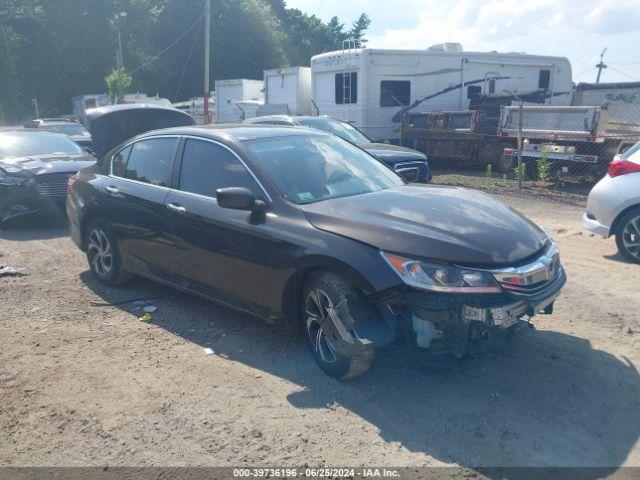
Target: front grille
(532,278)
(52,184)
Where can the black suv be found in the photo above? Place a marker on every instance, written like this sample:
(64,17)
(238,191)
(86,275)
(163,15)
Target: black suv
(303,227)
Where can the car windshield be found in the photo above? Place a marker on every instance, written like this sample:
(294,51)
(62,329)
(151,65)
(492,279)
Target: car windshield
(67,128)
(21,144)
(341,129)
(312,168)
(633,154)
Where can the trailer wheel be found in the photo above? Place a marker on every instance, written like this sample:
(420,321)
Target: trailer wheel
(504,163)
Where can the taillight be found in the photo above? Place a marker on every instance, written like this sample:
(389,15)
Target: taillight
(622,167)
(70,182)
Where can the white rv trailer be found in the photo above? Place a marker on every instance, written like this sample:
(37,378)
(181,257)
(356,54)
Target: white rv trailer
(233,95)
(287,91)
(372,88)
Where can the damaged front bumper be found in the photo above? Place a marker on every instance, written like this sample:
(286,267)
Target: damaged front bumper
(436,322)
(455,324)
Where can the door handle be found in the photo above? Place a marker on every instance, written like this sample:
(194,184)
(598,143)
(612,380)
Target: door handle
(112,190)
(177,208)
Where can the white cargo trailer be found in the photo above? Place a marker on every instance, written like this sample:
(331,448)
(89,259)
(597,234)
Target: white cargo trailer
(373,88)
(231,95)
(287,91)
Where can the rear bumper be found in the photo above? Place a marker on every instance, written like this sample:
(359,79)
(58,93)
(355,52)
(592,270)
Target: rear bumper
(75,229)
(593,226)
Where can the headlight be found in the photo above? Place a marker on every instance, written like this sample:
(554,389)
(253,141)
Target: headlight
(9,181)
(441,278)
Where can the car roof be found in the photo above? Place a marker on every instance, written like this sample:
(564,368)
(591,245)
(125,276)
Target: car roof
(291,118)
(32,132)
(238,132)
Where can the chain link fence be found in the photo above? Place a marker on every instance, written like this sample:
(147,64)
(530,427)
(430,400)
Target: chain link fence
(545,147)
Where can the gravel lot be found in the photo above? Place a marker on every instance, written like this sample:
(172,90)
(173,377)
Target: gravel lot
(84,382)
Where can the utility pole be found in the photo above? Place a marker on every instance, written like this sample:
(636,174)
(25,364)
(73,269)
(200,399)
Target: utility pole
(34,101)
(120,66)
(520,144)
(207,41)
(601,66)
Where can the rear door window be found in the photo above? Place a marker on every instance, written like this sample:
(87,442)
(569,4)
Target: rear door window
(207,166)
(150,161)
(119,161)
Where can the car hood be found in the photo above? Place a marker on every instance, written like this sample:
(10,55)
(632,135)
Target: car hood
(392,153)
(454,225)
(37,165)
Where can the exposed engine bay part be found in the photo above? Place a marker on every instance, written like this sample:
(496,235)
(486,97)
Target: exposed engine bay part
(425,330)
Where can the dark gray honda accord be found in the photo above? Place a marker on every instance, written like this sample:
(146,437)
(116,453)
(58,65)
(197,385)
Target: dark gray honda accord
(305,228)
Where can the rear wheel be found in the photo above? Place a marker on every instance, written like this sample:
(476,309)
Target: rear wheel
(628,235)
(323,291)
(103,254)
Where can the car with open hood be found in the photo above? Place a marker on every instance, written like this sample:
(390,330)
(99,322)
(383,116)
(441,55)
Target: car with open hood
(34,169)
(302,227)
(412,165)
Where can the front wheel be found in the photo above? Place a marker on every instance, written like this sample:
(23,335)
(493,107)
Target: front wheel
(103,254)
(323,291)
(628,235)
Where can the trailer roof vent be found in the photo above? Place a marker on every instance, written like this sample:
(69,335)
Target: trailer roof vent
(446,47)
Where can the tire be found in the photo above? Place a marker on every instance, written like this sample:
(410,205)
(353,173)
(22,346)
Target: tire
(505,164)
(324,289)
(628,235)
(103,254)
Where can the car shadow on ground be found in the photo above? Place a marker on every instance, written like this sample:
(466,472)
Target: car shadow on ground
(50,223)
(618,257)
(546,399)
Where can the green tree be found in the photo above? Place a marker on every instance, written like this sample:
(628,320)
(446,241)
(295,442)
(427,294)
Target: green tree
(359,30)
(118,82)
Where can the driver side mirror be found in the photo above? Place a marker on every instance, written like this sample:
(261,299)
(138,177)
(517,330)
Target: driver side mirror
(239,198)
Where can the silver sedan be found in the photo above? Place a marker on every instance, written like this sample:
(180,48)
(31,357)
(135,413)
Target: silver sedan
(613,207)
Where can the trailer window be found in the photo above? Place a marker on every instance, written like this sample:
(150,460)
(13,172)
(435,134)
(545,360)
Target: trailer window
(346,88)
(474,91)
(544,80)
(394,93)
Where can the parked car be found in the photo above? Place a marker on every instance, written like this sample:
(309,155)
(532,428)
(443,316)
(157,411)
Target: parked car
(303,227)
(34,169)
(73,130)
(613,207)
(410,164)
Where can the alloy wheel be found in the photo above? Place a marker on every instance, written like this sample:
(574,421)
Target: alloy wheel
(631,237)
(316,309)
(100,252)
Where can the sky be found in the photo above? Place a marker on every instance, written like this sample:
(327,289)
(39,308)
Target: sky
(576,29)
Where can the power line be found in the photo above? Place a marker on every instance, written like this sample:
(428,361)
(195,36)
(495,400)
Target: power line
(171,45)
(586,71)
(625,74)
(186,64)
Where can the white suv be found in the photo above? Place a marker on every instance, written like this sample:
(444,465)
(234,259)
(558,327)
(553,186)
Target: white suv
(613,207)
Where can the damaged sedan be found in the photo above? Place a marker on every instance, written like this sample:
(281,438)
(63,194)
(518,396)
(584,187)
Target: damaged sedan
(304,228)
(34,170)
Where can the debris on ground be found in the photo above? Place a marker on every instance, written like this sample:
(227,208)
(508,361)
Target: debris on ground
(7,271)
(145,318)
(208,351)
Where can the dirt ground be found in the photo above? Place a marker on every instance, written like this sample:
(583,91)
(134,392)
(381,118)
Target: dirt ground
(84,382)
